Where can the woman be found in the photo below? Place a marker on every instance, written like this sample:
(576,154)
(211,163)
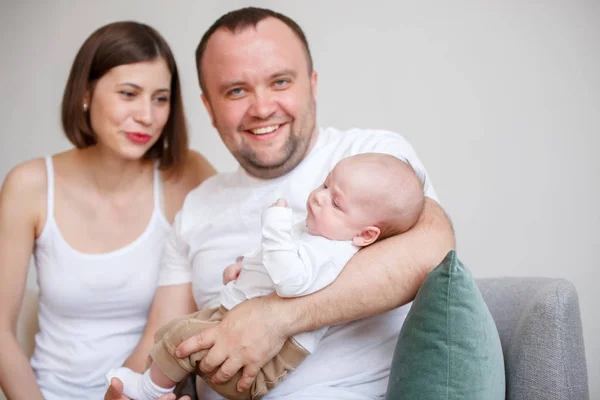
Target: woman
(96,217)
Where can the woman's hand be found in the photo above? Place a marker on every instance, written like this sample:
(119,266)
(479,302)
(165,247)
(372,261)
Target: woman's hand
(115,391)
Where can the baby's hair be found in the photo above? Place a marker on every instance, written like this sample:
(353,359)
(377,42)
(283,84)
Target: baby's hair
(399,198)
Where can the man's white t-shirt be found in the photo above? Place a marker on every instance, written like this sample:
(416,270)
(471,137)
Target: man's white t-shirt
(221,220)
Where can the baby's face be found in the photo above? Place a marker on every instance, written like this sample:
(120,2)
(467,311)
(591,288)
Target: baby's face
(335,209)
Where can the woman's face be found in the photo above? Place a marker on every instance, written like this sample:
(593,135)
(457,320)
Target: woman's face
(130,106)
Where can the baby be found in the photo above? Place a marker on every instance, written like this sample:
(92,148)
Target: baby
(365,198)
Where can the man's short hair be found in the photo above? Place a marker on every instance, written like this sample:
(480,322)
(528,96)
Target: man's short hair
(245,18)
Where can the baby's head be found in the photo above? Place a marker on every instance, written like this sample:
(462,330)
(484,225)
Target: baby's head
(364,198)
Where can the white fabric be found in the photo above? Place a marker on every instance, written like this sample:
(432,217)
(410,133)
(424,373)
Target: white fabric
(135,385)
(220,220)
(93,307)
(291,262)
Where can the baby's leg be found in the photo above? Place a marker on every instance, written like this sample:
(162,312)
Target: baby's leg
(159,378)
(203,314)
(163,351)
(138,386)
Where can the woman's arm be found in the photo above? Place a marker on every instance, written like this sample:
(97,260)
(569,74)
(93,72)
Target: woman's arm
(176,300)
(381,277)
(169,303)
(20,197)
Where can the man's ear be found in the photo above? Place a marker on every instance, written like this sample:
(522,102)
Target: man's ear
(367,236)
(208,109)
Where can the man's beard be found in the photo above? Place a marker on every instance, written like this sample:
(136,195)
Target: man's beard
(293,152)
(253,160)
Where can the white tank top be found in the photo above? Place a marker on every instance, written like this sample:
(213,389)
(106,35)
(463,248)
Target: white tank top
(93,307)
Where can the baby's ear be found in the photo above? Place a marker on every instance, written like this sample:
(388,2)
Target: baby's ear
(367,236)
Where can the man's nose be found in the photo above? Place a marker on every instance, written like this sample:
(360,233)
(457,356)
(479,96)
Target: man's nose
(263,105)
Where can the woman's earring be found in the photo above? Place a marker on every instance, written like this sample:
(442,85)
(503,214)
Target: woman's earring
(85,107)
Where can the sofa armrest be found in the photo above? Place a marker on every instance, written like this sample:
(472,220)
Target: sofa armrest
(540,329)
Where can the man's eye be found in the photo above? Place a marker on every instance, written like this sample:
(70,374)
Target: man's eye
(281,83)
(236,92)
(335,204)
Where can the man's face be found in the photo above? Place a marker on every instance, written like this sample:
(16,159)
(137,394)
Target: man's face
(261,96)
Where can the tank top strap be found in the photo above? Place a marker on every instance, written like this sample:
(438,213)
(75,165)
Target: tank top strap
(50,195)
(158,189)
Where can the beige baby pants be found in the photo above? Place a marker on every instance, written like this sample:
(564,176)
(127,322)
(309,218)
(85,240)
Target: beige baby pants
(171,335)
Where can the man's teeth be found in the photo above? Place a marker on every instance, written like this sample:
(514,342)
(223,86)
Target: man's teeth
(266,129)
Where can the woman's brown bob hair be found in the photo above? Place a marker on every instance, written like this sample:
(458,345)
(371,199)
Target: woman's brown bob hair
(110,46)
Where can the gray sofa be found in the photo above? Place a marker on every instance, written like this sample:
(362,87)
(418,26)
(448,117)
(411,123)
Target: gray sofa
(540,329)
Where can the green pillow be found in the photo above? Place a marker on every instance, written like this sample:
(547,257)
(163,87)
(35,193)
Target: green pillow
(448,348)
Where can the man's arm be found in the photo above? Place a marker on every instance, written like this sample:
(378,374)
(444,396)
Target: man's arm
(378,278)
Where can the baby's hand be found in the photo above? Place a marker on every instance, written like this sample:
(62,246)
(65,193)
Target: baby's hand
(232,272)
(280,203)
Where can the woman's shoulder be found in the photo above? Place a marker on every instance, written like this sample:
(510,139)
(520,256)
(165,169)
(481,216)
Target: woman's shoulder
(24,192)
(197,169)
(28,177)
(194,171)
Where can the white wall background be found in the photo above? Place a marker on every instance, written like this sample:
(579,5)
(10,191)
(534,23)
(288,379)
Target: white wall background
(501,99)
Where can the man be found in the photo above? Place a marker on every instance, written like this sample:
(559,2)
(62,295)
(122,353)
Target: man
(259,87)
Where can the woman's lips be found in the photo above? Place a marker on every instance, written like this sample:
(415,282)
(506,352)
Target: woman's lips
(138,137)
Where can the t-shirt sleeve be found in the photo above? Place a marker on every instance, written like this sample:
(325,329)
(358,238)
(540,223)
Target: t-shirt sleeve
(394,144)
(175,268)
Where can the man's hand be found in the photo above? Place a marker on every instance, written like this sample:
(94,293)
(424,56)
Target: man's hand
(115,392)
(249,336)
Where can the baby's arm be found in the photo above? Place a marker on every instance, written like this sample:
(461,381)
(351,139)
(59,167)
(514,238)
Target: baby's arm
(294,267)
